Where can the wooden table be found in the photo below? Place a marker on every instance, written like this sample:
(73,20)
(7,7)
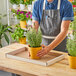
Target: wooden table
(28,69)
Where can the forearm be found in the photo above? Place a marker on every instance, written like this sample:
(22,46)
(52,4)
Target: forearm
(35,25)
(60,37)
(57,40)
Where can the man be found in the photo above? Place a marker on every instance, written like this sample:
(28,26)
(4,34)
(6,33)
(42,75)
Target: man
(53,17)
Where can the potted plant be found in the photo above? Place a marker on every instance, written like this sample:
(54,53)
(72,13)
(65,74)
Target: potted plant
(34,40)
(71,45)
(23,16)
(29,4)
(15,3)
(18,35)
(22,4)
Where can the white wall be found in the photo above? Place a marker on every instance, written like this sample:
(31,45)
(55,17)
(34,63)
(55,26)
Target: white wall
(3,10)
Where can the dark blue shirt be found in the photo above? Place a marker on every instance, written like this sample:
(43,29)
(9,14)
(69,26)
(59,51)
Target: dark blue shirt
(66,9)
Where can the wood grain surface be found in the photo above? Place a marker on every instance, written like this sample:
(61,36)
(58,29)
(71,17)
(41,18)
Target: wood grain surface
(28,69)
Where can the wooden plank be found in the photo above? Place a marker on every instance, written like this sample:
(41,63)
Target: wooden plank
(17,51)
(16,71)
(50,62)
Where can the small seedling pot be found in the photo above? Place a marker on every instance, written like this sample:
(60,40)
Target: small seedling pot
(23,24)
(72,62)
(22,6)
(15,6)
(22,40)
(29,7)
(33,52)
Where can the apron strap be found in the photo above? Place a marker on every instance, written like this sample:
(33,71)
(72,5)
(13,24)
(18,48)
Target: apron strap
(44,5)
(58,7)
(59,2)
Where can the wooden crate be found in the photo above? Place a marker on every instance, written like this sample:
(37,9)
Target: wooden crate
(22,54)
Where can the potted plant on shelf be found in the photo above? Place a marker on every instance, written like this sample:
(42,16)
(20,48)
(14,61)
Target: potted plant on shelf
(29,4)
(23,16)
(15,3)
(71,45)
(34,40)
(22,4)
(18,35)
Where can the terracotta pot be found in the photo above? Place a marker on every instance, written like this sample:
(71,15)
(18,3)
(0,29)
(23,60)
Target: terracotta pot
(23,24)
(72,62)
(22,40)
(33,52)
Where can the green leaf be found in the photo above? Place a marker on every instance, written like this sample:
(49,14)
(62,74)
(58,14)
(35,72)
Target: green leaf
(10,31)
(6,38)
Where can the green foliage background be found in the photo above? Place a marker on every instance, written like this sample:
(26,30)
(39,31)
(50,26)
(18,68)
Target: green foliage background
(14,1)
(22,2)
(28,2)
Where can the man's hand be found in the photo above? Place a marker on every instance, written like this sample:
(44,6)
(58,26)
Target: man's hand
(43,46)
(44,51)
